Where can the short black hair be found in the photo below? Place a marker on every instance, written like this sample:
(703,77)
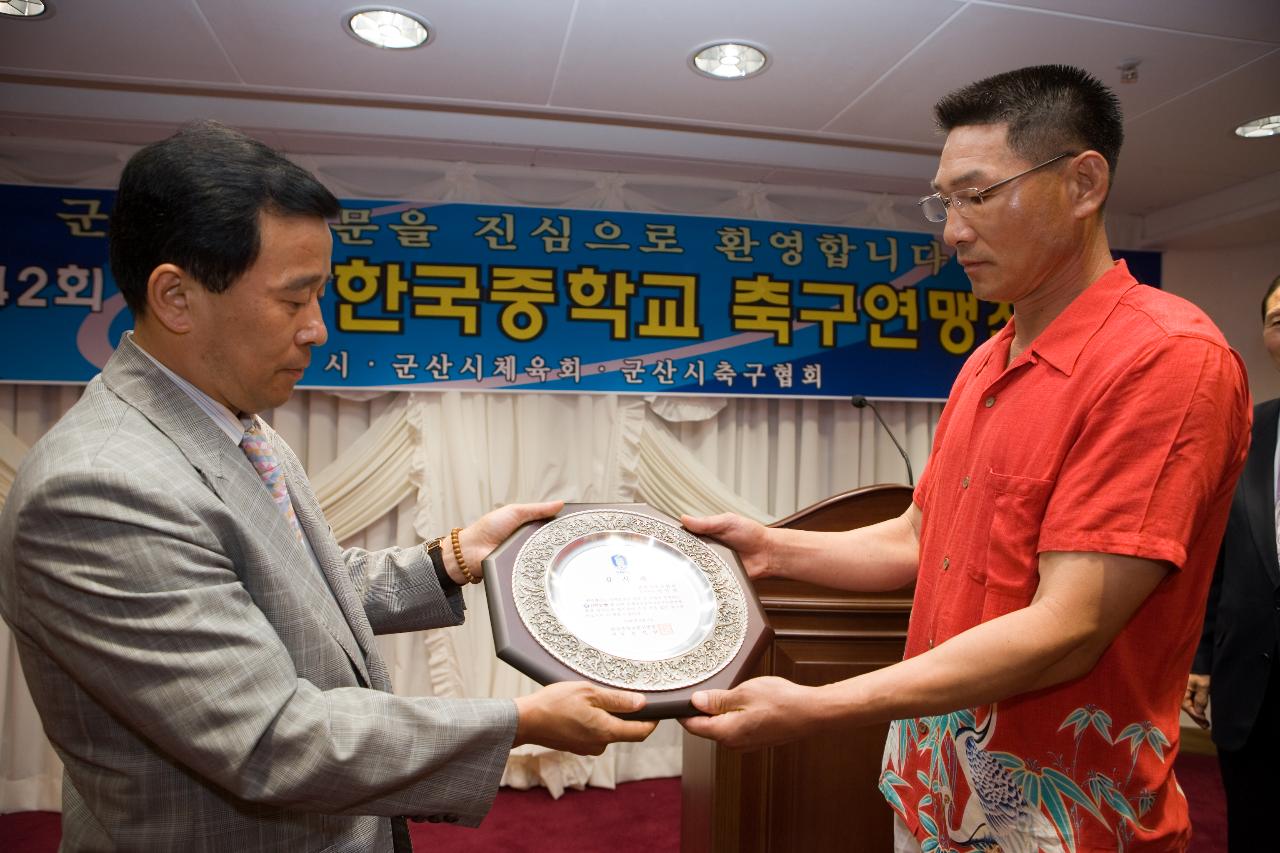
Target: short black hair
(1271,288)
(194,200)
(1049,109)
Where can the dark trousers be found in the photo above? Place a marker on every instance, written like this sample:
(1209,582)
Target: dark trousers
(400,840)
(1251,778)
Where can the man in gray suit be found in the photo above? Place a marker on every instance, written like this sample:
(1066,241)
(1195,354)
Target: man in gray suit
(199,647)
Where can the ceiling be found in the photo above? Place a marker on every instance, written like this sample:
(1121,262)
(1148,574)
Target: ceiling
(605,84)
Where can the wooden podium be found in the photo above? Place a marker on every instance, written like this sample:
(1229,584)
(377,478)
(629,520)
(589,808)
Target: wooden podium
(820,793)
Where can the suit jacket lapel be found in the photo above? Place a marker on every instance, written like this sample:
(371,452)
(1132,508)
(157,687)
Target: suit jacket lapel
(243,490)
(329,556)
(1258,482)
(132,376)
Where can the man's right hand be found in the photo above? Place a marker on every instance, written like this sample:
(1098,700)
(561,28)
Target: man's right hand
(1196,700)
(749,538)
(575,716)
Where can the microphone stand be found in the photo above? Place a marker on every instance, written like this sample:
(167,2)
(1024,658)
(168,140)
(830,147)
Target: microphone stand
(860,402)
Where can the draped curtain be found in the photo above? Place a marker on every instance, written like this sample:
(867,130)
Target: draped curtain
(396,468)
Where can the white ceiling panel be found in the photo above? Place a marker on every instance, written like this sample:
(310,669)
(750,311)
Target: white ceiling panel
(1198,128)
(424,147)
(158,39)
(1245,19)
(1188,148)
(633,58)
(605,85)
(909,185)
(1143,185)
(58,128)
(566,158)
(484,50)
(901,105)
(1257,231)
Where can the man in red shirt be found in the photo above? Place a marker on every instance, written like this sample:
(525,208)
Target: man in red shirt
(1063,536)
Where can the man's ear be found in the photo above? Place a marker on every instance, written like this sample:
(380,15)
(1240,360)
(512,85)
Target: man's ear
(169,296)
(1090,179)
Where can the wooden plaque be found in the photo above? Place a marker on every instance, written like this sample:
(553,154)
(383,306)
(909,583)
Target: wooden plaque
(622,595)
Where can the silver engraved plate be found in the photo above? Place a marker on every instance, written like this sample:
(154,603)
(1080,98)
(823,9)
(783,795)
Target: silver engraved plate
(629,600)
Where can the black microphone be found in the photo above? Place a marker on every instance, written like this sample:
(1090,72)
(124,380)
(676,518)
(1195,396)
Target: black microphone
(860,402)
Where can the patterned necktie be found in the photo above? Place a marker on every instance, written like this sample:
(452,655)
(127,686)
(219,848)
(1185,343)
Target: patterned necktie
(258,449)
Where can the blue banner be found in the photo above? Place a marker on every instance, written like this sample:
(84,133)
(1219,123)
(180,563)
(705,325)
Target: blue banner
(485,297)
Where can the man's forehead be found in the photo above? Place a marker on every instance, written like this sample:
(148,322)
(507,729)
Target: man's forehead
(1273,302)
(963,173)
(971,153)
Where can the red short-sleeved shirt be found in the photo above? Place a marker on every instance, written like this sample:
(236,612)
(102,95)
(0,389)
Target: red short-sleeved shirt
(1121,429)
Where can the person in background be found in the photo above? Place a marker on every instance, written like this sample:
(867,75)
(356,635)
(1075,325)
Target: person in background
(200,649)
(1236,664)
(1063,534)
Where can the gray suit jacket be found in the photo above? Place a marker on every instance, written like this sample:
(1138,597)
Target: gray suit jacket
(205,687)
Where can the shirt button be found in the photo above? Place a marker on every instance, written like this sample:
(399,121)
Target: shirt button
(946,563)
(990,401)
(964,484)
(930,642)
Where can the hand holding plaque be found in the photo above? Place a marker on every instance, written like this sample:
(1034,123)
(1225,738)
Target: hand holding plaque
(622,595)
(579,717)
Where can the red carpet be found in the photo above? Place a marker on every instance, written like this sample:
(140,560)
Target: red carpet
(1201,782)
(639,817)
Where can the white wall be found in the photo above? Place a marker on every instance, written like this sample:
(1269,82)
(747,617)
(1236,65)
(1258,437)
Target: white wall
(1228,284)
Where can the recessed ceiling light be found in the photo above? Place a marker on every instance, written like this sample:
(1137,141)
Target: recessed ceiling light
(23,8)
(390,28)
(729,60)
(1260,127)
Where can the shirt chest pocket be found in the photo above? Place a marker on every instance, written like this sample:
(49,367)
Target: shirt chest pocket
(1008,567)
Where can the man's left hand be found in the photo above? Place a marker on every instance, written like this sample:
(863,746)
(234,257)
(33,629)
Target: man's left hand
(1196,700)
(757,713)
(480,537)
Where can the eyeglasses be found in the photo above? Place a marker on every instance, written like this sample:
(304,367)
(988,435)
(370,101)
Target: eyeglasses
(934,207)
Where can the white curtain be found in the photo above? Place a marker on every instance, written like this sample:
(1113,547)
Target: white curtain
(403,467)
(398,468)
